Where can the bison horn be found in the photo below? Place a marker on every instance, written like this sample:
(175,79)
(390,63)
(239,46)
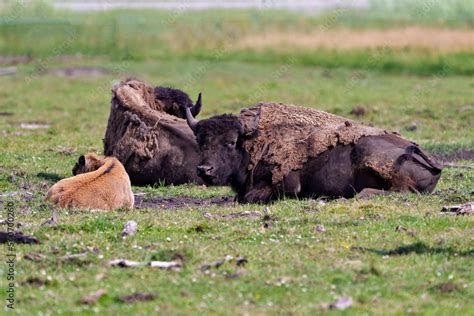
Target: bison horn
(197,107)
(192,122)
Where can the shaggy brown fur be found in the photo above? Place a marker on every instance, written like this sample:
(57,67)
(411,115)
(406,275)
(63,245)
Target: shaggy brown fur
(289,135)
(153,146)
(99,183)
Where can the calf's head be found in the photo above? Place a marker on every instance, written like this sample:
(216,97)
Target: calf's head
(87,163)
(224,160)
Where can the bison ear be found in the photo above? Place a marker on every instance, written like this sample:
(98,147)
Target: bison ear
(249,120)
(197,107)
(82,160)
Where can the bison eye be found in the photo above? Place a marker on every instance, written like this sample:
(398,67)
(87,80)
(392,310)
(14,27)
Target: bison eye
(231,144)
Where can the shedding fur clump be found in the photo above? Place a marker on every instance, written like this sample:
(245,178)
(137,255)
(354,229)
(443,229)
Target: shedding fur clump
(133,127)
(136,92)
(286,136)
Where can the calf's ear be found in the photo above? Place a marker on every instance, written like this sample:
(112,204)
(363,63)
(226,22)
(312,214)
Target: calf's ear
(82,160)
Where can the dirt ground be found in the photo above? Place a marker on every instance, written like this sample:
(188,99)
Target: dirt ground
(179,201)
(461,154)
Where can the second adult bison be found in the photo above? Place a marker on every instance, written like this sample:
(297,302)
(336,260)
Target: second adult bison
(272,150)
(147,133)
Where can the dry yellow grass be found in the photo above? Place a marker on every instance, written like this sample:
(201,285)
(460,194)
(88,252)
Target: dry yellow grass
(433,39)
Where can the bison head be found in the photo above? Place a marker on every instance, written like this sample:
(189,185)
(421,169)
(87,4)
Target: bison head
(176,101)
(224,160)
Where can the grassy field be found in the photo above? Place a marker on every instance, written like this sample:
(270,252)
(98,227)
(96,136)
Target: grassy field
(392,255)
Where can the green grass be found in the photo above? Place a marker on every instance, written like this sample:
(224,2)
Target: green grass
(291,268)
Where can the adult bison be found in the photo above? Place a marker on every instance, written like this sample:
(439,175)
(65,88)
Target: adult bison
(147,133)
(275,149)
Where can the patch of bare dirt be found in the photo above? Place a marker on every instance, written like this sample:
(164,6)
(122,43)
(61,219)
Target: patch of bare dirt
(358,111)
(137,297)
(239,261)
(17,237)
(447,287)
(35,282)
(179,201)
(78,72)
(34,125)
(34,256)
(14,60)
(460,154)
(460,209)
(7,71)
(93,298)
(28,196)
(67,151)
(243,214)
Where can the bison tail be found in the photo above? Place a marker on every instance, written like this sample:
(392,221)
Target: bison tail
(426,161)
(420,174)
(433,164)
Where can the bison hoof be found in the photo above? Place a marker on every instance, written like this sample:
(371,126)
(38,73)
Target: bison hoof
(367,193)
(261,196)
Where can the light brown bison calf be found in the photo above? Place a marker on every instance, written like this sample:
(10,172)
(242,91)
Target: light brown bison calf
(98,183)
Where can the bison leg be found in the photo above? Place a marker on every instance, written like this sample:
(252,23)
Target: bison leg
(421,172)
(260,194)
(265,192)
(367,193)
(292,184)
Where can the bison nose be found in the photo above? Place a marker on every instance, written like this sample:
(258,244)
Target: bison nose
(204,170)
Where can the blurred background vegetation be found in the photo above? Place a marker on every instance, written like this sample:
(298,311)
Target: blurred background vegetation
(418,37)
